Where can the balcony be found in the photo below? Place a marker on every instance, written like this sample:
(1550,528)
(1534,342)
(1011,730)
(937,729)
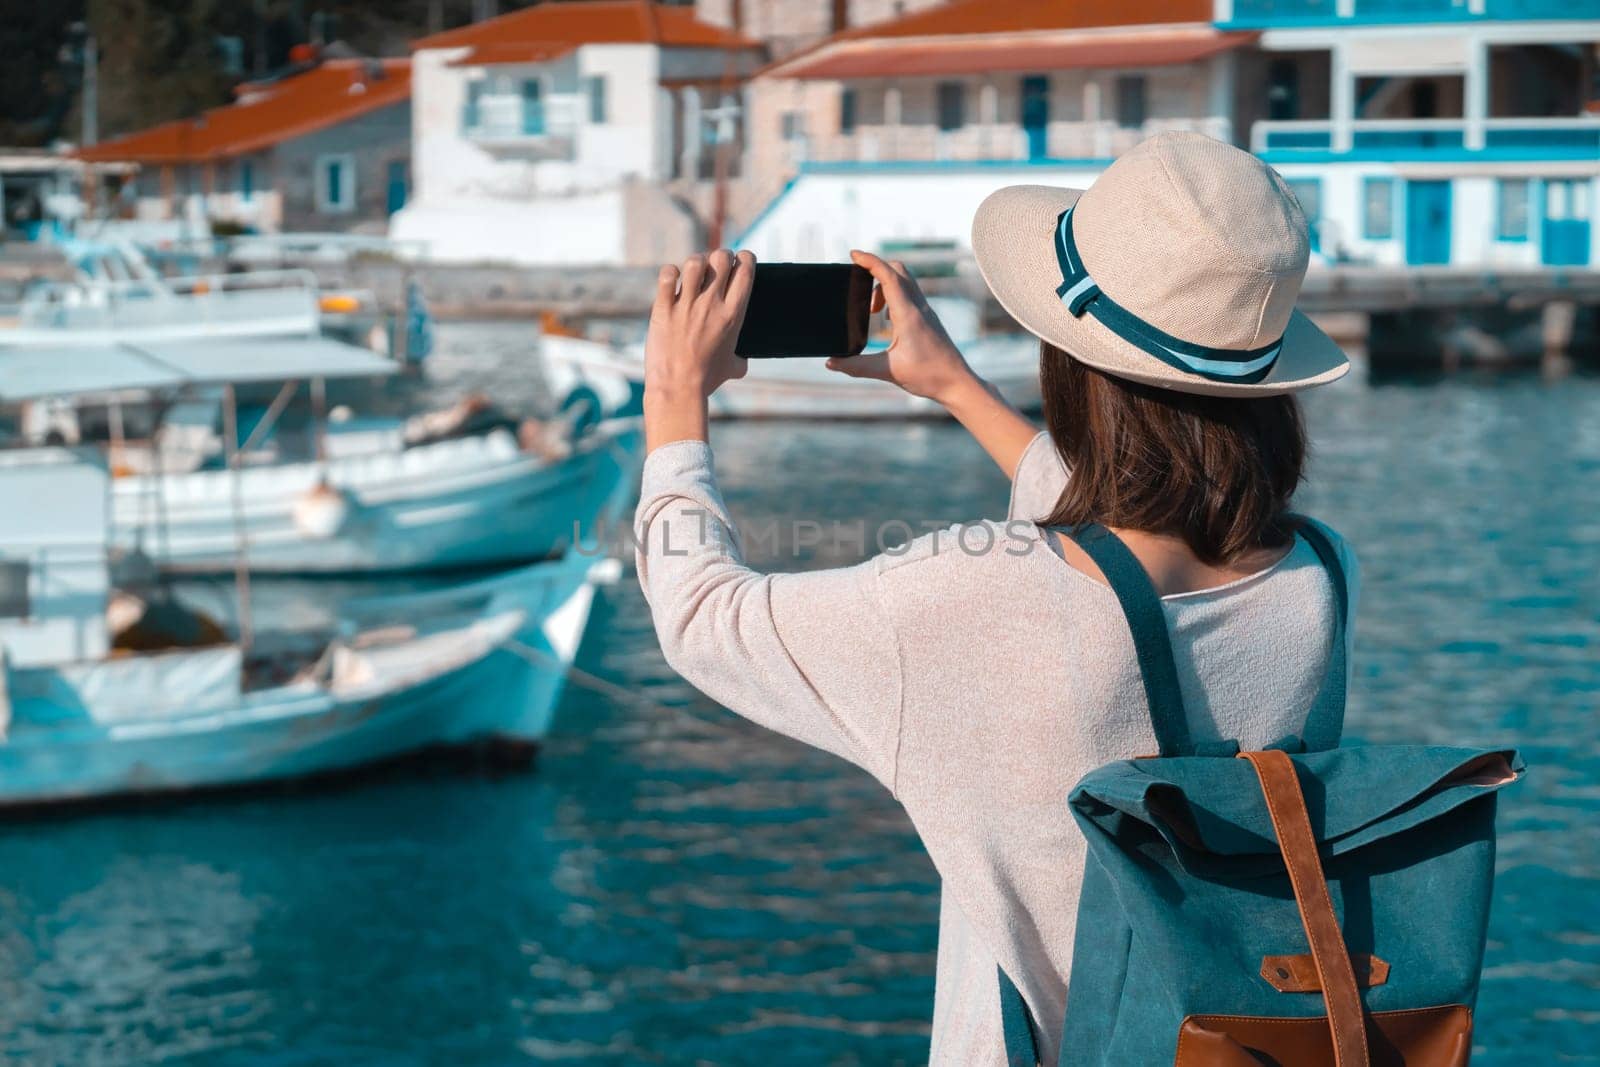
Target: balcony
(517,123)
(1251,14)
(989,142)
(1421,139)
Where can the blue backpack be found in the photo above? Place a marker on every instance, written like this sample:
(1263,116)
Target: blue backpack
(1302,906)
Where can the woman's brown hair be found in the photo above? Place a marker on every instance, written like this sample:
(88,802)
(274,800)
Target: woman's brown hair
(1216,471)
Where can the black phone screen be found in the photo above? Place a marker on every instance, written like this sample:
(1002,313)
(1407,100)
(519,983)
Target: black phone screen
(806,309)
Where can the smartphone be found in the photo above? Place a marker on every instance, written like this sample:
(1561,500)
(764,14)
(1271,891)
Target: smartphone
(806,309)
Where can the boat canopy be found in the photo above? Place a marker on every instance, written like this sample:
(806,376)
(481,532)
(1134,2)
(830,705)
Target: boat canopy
(80,369)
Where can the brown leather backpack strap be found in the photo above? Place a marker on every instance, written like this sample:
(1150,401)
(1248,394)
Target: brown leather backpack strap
(1287,806)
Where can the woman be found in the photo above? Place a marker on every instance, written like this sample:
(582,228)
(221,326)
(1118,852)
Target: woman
(980,673)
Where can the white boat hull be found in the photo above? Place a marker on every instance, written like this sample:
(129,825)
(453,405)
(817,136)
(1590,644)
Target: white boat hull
(789,388)
(497,678)
(471,502)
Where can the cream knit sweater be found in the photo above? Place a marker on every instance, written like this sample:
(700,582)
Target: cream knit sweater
(978,684)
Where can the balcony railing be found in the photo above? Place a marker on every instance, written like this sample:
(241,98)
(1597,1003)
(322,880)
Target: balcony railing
(514,120)
(1559,138)
(1291,12)
(994,142)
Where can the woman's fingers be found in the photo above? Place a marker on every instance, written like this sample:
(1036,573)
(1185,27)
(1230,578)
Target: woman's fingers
(892,284)
(719,266)
(877,298)
(694,276)
(866,365)
(742,278)
(666,289)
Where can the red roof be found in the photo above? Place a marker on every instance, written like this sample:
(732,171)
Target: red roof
(547,30)
(892,58)
(1022,16)
(1019,24)
(267,113)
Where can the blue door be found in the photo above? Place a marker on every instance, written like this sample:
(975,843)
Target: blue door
(532,108)
(398,185)
(1427,222)
(1565,236)
(1036,114)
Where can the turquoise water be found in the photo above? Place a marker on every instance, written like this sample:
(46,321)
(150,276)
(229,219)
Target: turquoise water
(673,885)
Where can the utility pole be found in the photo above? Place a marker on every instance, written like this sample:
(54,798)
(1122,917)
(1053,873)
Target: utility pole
(91,86)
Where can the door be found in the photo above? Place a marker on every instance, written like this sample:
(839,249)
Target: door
(1036,114)
(398,185)
(1427,222)
(1565,236)
(532,108)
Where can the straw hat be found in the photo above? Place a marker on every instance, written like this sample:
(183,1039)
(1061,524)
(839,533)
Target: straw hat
(1179,268)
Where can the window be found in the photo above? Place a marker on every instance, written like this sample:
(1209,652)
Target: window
(1377,212)
(14,589)
(247,180)
(847,110)
(1511,209)
(597,100)
(1131,105)
(336,184)
(1283,90)
(952,100)
(471,112)
(793,125)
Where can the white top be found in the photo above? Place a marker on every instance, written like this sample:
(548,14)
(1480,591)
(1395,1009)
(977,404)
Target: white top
(978,676)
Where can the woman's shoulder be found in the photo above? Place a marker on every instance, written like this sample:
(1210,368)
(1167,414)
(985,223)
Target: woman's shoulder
(985,561)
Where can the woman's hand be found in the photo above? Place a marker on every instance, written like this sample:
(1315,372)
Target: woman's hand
(921,358)
(688,351)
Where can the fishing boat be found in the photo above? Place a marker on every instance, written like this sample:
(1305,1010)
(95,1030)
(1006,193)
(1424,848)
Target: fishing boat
(379,495)
(86,712)
(116,295)
(469,501)
(610,372)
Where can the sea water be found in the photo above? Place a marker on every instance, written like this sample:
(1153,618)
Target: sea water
(673,885)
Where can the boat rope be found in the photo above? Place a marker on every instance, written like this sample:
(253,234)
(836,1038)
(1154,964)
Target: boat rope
(593,682)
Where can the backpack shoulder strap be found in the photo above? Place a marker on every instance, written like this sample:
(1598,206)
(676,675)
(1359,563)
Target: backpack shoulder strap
(1142,608)
(1325,721)
(1016,1025)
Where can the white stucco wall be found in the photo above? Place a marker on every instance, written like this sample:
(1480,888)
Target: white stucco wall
(824,214)
(530,203)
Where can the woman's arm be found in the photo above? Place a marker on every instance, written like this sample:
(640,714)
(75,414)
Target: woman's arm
(688,350)
(922,360)
(812,656)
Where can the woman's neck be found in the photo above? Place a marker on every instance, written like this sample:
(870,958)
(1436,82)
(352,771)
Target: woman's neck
(1172,566)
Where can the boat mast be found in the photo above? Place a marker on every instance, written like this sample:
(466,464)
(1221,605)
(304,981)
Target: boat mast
(319,418)
(241,566)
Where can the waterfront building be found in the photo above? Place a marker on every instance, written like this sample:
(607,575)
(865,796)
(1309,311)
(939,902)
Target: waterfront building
(1415,132)
(575,133)
(324,148)
(1431,132)
(890,134)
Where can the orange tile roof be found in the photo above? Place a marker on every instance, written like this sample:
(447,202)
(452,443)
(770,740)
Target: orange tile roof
(966,19)
(893,58)
(1020,16)
(266,113)
(536,29)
